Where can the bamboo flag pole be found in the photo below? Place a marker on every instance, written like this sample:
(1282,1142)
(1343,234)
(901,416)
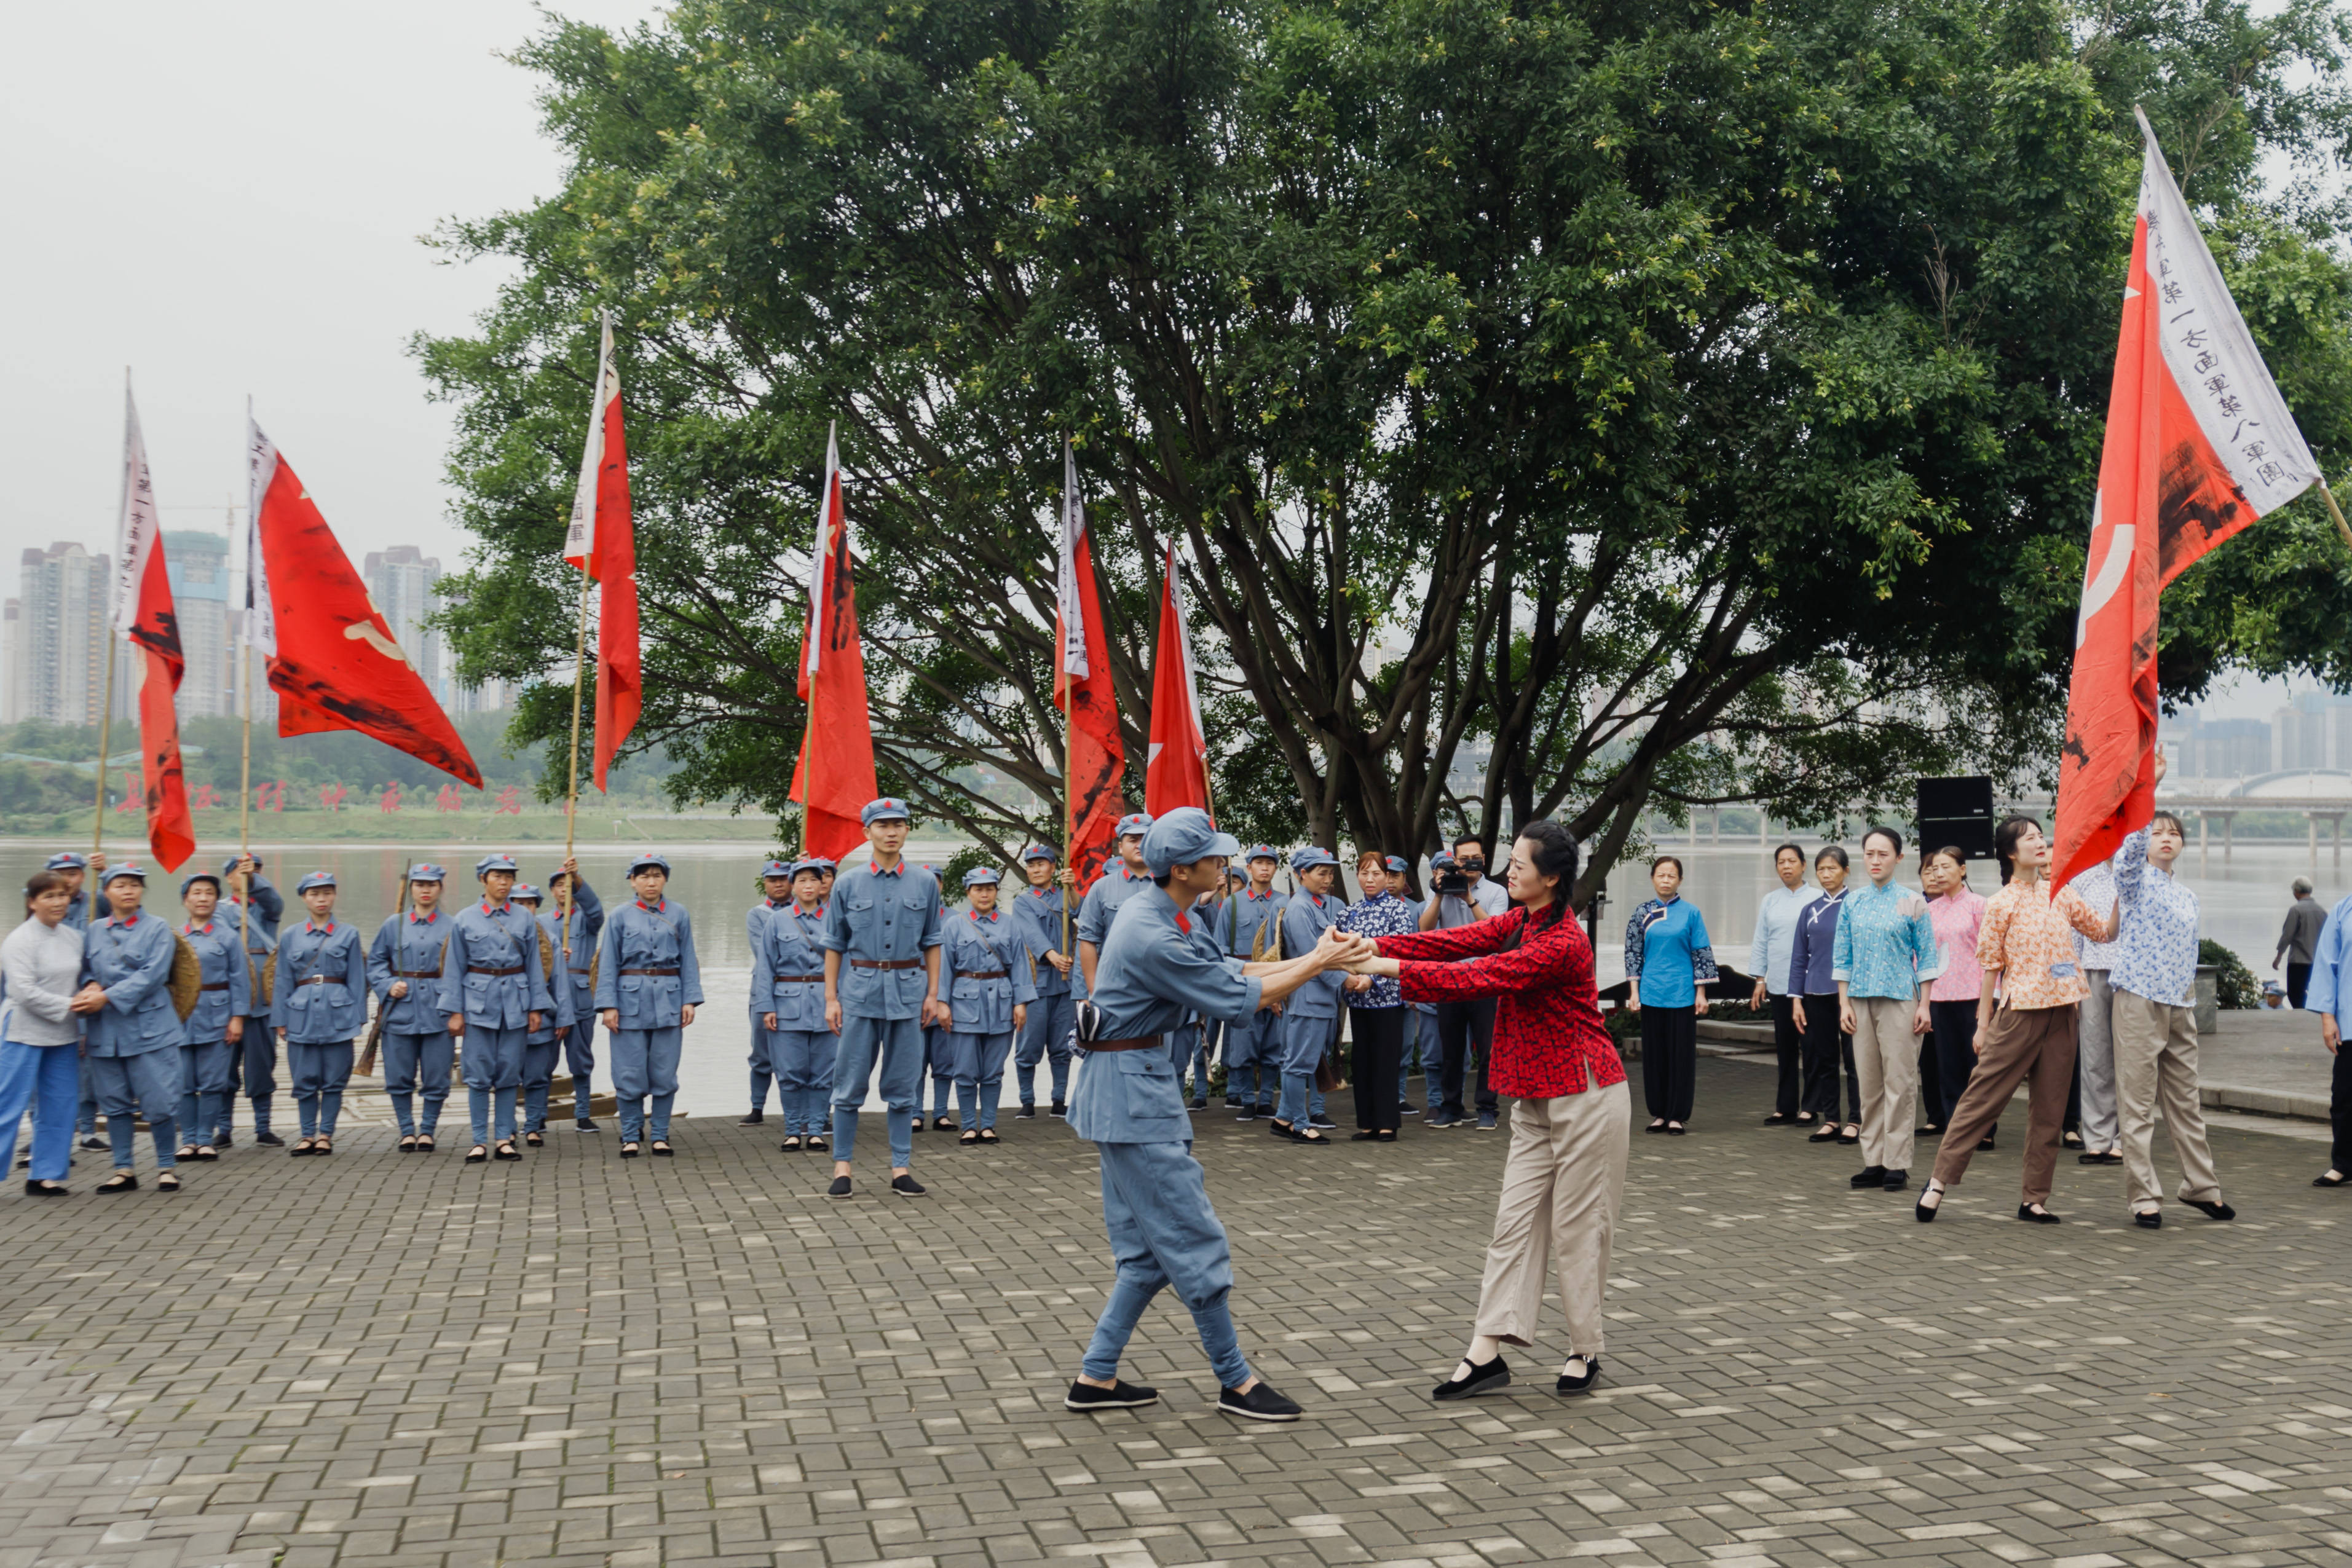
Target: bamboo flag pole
(571,790)
(2336,512)
(105,740)
(367,1068)
(587,494)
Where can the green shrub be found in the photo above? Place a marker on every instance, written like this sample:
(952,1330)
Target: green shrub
(2236,985)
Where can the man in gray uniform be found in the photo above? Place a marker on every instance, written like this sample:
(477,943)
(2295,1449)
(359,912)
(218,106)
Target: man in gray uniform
(1158,966)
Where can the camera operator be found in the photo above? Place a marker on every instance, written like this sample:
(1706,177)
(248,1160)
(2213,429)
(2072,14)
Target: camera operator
(1462,895)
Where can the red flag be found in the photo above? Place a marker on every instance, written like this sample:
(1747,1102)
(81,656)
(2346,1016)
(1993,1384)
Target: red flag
(1097,764)
(1176,769)
(834,776)
(2199,444)
(331,656)
(601,541)
(144,612)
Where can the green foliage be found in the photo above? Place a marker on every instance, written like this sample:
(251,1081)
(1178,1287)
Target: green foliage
(1672,404)
(2235,982)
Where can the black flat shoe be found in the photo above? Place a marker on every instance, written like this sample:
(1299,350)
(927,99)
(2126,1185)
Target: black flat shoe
(967,1140)
(1308,1136)
(1483,1379)
(1928,1132)
(1925,1212)
(536,1140)
(2033,1215)
(585,1125)
(167,1182)
(1898,1181)
(790,1145)
(2212,1210)
(506,1150)
(185,1152)
(906,1187)
(1658,1127)
(2071,1141)
(1388,1137)
(660,1149)
(1984,1145)
(988,1137)
(477,1155)
(424,1143)
(630,1151)
(1120,1396)
(407,1144)
(943,1123)
(42,1189)
(816,1144)
(1363,1137)
(1828,1135)
(1260,1404)
(840,1187)
(1026,1113)
(303,1149)
(1569,1384)
(266,1139)
(1674,1129)
(120,1181)
(1778,1119)
(755,1118)
(1869,1176)
(1851,1138)
(2332,1178)
(2152,1221)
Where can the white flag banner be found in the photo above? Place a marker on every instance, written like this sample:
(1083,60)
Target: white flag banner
(261,467)
(580,536)
(830,511)
(2211,354)
(1069,602)
(138,533)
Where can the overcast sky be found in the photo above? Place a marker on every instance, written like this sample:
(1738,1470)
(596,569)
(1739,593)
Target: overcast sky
(226,198)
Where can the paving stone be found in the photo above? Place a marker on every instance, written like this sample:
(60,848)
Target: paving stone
(380,1359)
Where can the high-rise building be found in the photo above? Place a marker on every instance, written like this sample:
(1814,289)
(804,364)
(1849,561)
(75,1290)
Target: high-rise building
(12,664)
(2315,730)
(197,562)
(63,632)
(405,584)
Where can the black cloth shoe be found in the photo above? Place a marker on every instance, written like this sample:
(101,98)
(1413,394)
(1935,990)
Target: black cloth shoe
(1060,1109)
(1245,1114)
(1260,1404)
(1366,1136)
(2032,1216)
(1122,1395)
(840,1187)
(1322,1124)
(2212,1210)
(1869,1176)
(1486,1379)
(269,1139)
(1487,1123)
(2331,1179)
(906,1187)
(1028,1112)
(1897,1181)
(120,1181)
(585,1124)
(1199,1106)
(35,1189)
(1827,1134)
(758,1114)
(1568,1385)
(92,1141)
(1984,1145)
(2152,1221)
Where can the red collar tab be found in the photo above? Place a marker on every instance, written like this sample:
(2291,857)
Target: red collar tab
(1184,922)
(192,929)
(652,908)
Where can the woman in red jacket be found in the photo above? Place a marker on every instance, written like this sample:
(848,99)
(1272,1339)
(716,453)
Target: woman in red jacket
(1565,1175)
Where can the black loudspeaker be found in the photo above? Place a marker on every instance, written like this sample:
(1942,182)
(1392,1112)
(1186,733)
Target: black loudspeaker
(1956,811)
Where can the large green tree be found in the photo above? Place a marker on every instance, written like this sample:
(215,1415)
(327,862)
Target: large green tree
(1564,406)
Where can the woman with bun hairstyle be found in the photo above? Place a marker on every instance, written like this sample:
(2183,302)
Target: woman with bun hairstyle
(1813,1007)
(2026,1035)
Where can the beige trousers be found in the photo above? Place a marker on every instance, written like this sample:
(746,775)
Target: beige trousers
(1563,1182)
(1886,1069)
(2155,1060)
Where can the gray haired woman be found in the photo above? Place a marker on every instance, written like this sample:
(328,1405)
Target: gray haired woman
(40,1065)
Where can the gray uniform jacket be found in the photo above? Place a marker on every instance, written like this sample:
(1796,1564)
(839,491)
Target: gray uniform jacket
(1154,974)
(320,996)
(985,971)
(788,969)
(225,994)
(491,971)
(132,959)
(1304,918)
(408,947)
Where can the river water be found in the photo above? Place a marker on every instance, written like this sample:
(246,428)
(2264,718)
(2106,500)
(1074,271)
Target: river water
(2245,900)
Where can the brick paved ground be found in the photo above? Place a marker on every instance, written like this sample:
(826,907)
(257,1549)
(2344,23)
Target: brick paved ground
(380,1359)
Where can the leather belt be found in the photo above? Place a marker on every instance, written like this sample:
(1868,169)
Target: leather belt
(803,979)
(473,970)
(222,987)
(1145,1043)
(986,975)
(880,964)
(435,973)
(649,971)
(313,981)
(576,971)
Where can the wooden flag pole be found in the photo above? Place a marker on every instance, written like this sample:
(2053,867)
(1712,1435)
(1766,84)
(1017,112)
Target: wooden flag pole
(105,738)
(571,790)
(1069,797)
(2336,512)
(367,1068)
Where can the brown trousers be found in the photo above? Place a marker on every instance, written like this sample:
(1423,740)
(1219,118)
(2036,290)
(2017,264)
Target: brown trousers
(2021,1044)
(1564,1181)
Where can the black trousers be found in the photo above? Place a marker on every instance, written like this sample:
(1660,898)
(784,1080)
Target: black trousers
(1787,1043)
(1931,1081)
(2298,976)
(1952,1028)
(1669,1061)
(1825,1047)
(1460,1026)
(2339,1109)
(1380,1049)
